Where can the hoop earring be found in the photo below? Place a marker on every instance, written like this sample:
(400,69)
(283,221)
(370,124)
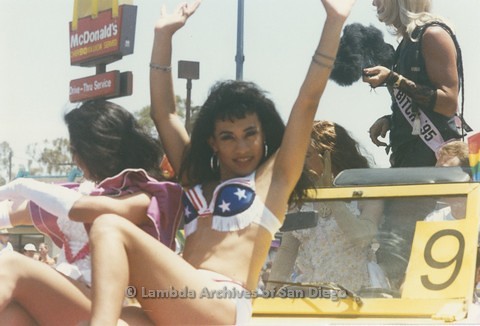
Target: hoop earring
(265,151)
(214,162)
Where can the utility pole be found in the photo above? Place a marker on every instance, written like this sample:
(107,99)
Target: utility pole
(240,58)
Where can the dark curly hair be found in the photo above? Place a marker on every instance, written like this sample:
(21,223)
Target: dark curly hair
(345,151)
(107,139)
(230,100)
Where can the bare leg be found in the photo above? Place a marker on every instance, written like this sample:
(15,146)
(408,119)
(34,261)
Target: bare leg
(117,243)
(14,315)
(110,273)
(133,316)
(47,296)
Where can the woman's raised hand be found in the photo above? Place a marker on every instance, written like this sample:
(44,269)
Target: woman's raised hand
(338,8)
(171,22)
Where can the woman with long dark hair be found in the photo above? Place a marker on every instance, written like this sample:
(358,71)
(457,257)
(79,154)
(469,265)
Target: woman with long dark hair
(239,169)
(118,158)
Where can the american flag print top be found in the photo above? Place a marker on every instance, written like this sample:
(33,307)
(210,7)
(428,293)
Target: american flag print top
(234,206)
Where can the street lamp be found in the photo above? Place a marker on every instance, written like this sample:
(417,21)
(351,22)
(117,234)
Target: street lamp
(188,70)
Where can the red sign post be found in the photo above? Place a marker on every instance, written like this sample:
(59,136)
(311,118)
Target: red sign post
(107,85)
(97,40)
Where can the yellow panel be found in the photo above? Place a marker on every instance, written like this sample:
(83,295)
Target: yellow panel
(370,308)
(442,263)
(393,191)
(453,241)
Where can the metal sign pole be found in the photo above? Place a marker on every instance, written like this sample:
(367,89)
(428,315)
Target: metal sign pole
(240,58)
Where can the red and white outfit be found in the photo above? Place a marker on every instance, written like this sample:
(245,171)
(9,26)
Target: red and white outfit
(164,212)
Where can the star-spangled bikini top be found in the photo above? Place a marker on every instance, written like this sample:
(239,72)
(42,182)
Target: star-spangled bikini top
(234,206)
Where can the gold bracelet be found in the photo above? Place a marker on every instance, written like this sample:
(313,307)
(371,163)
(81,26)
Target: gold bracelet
(314,60)
(160,67)
(324,55)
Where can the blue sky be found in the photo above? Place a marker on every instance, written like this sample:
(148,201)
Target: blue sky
(280,37)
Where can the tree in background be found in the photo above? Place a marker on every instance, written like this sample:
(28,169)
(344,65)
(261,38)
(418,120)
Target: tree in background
(57,157)
(6,154)
(52,157)
(144,120)
(143,116)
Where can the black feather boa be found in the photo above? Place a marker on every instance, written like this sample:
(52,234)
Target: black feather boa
(360,47)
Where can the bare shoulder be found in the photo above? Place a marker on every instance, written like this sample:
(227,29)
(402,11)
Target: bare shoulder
(436,35)
(438,44)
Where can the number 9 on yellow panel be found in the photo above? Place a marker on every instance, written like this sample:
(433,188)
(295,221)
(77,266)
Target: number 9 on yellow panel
(441,264)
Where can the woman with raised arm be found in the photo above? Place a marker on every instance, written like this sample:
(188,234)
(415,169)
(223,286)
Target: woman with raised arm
(119,160)
(238,170)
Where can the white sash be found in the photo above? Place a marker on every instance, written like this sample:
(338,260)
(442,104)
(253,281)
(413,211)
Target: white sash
(428,132)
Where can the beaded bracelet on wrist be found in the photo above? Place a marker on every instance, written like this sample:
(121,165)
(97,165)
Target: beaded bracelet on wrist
(160,67)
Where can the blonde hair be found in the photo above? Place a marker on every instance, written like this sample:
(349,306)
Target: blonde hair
(456,148)
(405,15)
